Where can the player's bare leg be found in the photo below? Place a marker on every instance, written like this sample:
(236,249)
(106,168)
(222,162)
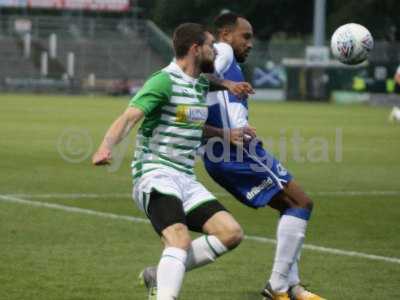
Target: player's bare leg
(222,234)
(225,228)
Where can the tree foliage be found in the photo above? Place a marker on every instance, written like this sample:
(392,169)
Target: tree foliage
(379,16)
(291,18)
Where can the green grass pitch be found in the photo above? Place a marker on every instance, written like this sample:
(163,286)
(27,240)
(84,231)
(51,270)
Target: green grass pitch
(48,253)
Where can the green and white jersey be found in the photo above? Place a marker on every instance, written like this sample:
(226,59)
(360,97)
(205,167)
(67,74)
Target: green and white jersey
(175,112)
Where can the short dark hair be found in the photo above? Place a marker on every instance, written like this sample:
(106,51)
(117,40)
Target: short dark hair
(225,20)
(187,34)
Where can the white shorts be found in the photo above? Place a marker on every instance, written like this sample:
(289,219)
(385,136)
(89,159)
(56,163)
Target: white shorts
(170,182)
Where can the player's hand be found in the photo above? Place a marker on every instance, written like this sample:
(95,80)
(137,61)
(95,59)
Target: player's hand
(249,133)
(236,136)
(239,89)
(102,157)
(242,135)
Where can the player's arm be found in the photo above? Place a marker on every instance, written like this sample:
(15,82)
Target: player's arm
(211,131)
(240,89)
(236,136)
(155,92)
(119,129)
(222,63)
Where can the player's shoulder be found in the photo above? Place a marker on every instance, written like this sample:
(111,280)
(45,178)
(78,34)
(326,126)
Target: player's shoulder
(224,59)
(158,82)
(224,49)
(161,77)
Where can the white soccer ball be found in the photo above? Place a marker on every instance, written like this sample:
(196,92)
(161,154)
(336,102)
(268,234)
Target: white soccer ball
(351,43)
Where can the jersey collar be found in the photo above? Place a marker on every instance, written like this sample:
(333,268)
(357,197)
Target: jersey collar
(173,66)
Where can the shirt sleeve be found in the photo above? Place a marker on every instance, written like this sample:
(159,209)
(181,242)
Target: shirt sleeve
(224,58)
(155,92)
(398,70)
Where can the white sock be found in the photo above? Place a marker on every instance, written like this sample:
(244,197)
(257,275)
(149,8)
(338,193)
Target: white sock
(170,273)
(204,250)
(290,236)
(294,278)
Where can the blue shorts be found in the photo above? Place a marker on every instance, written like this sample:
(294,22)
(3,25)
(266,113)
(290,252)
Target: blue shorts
(253,180)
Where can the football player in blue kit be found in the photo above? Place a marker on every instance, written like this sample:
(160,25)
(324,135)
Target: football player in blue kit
(238,162)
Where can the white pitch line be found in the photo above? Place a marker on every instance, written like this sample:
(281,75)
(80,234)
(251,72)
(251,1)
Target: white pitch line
(71,196)
(12,199)
(331,250)
(355,193)
(72,209)
(127,195)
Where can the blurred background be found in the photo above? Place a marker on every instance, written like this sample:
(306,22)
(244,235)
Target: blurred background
(112,46)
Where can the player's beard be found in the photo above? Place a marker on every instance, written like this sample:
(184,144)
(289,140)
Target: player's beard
(241,57)
(207,66)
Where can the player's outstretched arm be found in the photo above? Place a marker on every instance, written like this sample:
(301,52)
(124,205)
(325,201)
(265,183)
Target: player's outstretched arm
(115,134)
(239,89)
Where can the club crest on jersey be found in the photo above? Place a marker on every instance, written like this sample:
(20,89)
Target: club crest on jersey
(281,170)
(191,114)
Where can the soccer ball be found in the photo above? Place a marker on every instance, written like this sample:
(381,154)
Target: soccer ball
(351,43)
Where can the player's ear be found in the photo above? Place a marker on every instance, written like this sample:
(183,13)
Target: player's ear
(195,49)
(225,34)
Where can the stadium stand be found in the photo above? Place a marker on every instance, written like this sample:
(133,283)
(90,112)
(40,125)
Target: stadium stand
(109,49)
(12,63)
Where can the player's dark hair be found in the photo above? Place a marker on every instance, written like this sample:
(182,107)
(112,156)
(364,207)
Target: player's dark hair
(225,20)
(187,34)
